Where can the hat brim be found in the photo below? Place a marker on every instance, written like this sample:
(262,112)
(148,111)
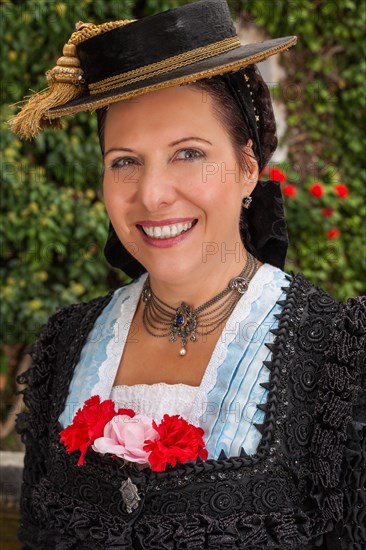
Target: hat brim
(229,61)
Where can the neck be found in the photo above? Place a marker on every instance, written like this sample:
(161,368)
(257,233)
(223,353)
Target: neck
(196,290)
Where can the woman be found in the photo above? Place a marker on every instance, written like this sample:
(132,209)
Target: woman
(263,369)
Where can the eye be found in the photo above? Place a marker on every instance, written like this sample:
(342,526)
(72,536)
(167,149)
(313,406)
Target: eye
(122,162)
(189,154)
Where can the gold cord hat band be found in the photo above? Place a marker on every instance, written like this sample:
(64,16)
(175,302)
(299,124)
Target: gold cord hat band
(166,65)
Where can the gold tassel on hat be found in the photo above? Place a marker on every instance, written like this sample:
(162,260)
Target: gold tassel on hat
(66,83)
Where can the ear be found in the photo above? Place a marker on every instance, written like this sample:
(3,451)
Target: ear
(251,170)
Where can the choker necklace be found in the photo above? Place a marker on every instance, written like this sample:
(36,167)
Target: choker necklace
(162,320)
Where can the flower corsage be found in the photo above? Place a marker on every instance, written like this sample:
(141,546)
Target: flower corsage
(133,437)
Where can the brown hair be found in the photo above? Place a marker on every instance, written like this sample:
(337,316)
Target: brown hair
(230,115)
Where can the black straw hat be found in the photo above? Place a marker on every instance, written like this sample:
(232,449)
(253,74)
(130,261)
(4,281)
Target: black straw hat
(102,64)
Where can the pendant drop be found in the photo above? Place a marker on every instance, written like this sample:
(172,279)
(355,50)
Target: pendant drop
(182,352)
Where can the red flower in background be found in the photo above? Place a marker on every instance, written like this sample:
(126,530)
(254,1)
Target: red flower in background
(179,441)
(333,233)
(274,174)
(277,174)
(317,190)
(88,425)
(327,212)
(341,190)
(289,190)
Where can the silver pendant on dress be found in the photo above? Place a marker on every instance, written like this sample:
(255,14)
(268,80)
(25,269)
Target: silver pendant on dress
(130,495)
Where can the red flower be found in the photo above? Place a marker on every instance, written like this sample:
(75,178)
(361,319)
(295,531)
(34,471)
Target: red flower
(289,190)
(274,174)
(179,441)
(327,212)
(333,233)
(341,190)
(88,425)
(277,174)
(317,190)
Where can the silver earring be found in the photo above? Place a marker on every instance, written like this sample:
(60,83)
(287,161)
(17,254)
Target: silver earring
(246,202)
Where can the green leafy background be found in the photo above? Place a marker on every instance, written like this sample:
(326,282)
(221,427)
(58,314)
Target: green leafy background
(54,225)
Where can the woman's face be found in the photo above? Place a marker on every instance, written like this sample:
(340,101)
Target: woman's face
(172,183)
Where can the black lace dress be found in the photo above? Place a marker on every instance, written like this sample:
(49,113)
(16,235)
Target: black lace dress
(303,489)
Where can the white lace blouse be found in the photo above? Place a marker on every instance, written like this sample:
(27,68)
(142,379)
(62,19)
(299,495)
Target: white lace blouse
(155,400)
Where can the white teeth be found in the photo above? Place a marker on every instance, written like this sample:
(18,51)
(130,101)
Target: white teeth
(167,231)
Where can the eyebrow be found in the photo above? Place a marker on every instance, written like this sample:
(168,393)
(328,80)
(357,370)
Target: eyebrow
(172,144)
(113,149)
(188,139)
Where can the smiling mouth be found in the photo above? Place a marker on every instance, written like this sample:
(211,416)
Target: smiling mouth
(167,231)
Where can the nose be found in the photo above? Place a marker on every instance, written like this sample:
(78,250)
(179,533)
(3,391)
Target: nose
(155,189)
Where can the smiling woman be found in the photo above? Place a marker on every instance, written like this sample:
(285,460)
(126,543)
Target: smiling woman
(168,181)
(215,401)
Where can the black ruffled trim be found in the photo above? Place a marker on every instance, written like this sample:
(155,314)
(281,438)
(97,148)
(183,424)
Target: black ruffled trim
(339,387)
(281,530)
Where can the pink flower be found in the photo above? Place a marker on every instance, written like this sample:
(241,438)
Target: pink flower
(124,437)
